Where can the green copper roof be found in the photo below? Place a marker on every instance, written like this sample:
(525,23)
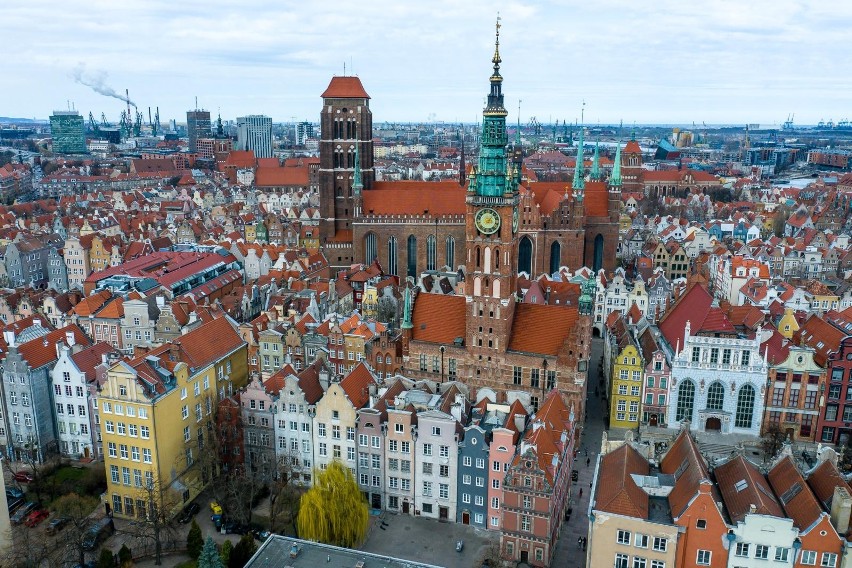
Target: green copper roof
(357,184)
(596,163)
(615,178)
(579,182)
(406,310)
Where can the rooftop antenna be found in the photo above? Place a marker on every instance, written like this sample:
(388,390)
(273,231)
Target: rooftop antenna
(196,102)
(344,69)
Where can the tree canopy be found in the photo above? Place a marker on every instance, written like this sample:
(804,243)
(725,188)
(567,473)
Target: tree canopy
(334,511)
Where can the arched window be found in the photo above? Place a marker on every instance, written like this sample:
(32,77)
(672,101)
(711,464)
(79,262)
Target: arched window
(745,407)
(477,286)
(496,293)
(412,256)
(555,257)
(478,257)
(525,255)
(388,360)
(391,267)
(451,252)
(486,259)
(597,262)
(496,259)
(715,396)
(431,252)
(685,400)
(370,250)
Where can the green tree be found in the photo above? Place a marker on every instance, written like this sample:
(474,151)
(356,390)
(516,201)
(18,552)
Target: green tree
(209,557)
(125,557)
(77,509)
(225,553)
(194,541)
(106,560)
(334,511)
(241,553)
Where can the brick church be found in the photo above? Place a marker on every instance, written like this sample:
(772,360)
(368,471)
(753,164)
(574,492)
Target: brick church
(495,224)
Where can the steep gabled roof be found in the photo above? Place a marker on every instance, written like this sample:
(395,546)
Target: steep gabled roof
(616,491)
(742,485)
(357,384)
(795,495)
(684,462)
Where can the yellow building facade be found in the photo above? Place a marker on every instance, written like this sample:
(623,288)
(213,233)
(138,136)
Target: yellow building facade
(626,395)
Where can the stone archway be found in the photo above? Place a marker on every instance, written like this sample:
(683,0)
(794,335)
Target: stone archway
(713,424)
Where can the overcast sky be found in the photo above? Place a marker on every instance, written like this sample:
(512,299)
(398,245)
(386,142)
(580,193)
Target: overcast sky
(662,61)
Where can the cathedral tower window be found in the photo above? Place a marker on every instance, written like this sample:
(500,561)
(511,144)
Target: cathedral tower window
(431,252)
(451,252)
(496,259)
(370,250)
(412,256)
(685,400)
(392,263)
(487,260)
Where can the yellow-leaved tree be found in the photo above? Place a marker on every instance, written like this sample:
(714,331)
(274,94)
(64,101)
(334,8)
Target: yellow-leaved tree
(334,511)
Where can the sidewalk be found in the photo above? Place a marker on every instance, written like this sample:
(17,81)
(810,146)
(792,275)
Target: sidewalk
(567,554)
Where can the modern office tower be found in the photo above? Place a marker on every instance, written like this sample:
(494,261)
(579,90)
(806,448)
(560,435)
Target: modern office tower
(68,132)
(254,132)
(197,126)
(304,130)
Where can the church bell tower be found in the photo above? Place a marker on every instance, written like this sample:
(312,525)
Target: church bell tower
(491,227)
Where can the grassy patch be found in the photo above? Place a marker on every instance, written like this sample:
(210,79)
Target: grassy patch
(68,473)
(187,564)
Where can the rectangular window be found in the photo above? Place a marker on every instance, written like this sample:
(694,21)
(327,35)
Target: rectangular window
(660,544)
(742,549)
(809,557)
(641,540)
(781,554)
(517,375)
(696,354)
(443,491)
(621,561)
(829,560)
(146,455)
(623,537)
(703,557)
(761,552)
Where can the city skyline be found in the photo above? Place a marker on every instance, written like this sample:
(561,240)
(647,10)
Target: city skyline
(723,63)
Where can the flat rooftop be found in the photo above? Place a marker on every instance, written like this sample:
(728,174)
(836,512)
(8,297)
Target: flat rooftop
(275,553)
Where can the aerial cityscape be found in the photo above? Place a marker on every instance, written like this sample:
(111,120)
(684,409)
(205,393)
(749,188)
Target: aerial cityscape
(368,327)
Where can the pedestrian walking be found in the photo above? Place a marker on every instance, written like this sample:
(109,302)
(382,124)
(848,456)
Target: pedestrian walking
(581,492)
(579,542)
(590,485)
(588,461)
(585,540)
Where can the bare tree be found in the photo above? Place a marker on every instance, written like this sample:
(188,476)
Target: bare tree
(281,491)
(77,509)
(29,550)
(156,506)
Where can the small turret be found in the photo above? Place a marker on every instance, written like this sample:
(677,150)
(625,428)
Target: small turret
(596,163)
(579,183)
(615,177)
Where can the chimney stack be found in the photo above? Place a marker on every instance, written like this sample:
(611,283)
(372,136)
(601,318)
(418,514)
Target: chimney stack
(841,508)
(69,338)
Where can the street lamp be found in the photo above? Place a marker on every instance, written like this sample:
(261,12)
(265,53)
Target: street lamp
(442,349)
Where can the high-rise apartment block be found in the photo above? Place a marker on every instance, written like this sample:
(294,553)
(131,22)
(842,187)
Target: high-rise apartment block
(254,132)
(197,126)
(68,132)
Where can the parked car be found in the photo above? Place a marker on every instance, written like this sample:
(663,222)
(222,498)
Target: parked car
(14,503)
(57,525)
(22,513)
(35,517)
(97,533)
(188,513)
(23,477)
(233,527)
(14,493)
(215,508)
(260,534)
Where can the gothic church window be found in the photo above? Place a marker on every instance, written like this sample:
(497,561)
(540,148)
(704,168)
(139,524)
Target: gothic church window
(451,251)
(685,400)
(745,407)
(431,252)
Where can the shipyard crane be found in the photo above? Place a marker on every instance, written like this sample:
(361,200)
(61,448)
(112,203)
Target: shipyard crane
(104,121)
(535,125)
(93,124)
(137,125)
(155,126)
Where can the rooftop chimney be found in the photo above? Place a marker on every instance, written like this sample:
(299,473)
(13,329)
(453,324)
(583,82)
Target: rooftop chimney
(69,338)
(841,508)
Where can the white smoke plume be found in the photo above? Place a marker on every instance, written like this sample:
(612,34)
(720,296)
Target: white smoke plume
(97,82)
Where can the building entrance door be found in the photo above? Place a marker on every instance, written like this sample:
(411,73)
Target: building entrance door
(443,513)
(713,423)
(405,507)
(465,518)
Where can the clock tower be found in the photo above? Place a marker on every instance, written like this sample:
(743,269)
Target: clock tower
(491,229)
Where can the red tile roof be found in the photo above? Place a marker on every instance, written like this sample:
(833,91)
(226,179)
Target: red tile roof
(89,358)
(616,491)
(542,329)
(596,199)
(796,497)
(742,485)
(265,177)
(345,88)
(356,385)
(694,306)
(822,481)
(42,350)
(684,457)
(206,344)
(438,318)
(415,198)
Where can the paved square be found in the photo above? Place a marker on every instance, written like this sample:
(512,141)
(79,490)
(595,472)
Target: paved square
(429,541)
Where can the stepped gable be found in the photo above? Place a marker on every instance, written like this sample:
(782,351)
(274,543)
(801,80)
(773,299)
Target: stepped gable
(545,434)
(439,318)
(432,198)
(616,491)
(742,485)
(684,462)
(541,329)
(796,497)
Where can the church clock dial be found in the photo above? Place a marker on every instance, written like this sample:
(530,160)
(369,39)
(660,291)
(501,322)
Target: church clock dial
(515,220)
(487,221)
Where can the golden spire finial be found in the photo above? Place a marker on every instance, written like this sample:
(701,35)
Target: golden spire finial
(496,59)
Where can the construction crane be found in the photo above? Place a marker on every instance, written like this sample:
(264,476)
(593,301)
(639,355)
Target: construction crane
(155,126)
(93,124)
(788,124)
(137,125)
(535,125)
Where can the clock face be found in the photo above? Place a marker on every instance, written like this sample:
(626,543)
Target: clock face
(487,221)
(515,220)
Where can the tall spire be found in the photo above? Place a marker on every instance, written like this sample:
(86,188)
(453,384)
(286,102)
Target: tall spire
(406,310)
(596,163)
(579,183)
(357,184)
(495,97)
(615,177)
(462,164)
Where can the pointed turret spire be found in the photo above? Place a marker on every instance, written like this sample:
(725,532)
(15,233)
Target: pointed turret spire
(596,163)
(495,97)
(615,178)
(357,184)
(579,183)
(406,310)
